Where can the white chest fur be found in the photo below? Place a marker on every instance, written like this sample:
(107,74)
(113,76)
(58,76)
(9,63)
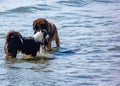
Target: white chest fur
(38,36)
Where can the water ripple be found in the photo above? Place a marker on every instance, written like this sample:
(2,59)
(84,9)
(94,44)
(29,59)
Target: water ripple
(76,3)
(21,10)
(107,1)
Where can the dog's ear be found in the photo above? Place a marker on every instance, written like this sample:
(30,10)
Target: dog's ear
(34,23)
(33,26)
(36,26)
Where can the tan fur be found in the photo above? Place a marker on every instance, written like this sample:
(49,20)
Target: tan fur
(50,27)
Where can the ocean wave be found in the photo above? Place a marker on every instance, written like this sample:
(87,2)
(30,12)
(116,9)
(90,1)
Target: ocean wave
(31,9)
(19,4)
(107,1)
(76,3)
(64,51)
(114,48)
(21,10)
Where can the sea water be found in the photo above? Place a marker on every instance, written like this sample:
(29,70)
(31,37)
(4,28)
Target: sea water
(89,53)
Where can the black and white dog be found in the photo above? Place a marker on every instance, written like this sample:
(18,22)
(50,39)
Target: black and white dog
(15,42)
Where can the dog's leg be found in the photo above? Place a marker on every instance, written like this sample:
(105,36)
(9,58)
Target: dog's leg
(56,37)
(57,40)
(49,45)
(11,55)
(41,49)
(34,54)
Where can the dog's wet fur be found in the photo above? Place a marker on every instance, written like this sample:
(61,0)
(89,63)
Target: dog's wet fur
(50,28)
(15,42)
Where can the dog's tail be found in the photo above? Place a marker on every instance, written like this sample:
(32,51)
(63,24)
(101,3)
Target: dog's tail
(13,36)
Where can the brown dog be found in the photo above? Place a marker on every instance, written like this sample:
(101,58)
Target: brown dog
(50,28)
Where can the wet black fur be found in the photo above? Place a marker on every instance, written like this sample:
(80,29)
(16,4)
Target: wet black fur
(14,42)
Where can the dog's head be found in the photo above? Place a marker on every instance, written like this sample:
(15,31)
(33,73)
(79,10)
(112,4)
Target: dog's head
(40,24)
(13,43)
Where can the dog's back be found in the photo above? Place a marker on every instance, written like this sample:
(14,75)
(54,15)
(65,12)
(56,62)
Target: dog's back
(30,45)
